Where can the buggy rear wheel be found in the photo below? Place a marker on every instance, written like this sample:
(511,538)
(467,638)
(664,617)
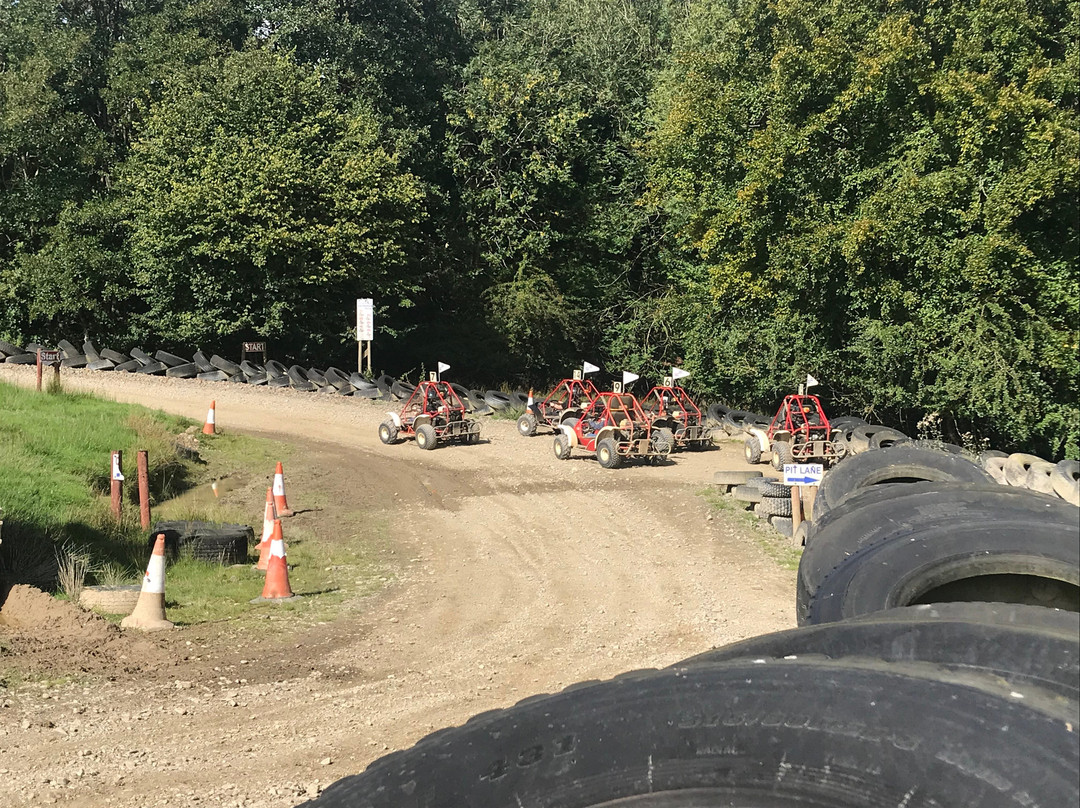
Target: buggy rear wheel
(526,425)
(388,432)
(426,437)
(562,447)
(752,449)
(607,455)
(781,454)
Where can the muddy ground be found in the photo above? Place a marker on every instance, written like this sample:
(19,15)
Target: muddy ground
(505,573)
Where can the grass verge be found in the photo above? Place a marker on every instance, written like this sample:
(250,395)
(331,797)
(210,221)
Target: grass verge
(777,547)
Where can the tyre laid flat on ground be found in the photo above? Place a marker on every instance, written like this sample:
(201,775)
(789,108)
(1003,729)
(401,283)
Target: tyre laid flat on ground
(887,512)
(731,478)
(897,464)
(773,735)
(1011,561)
(1024,645)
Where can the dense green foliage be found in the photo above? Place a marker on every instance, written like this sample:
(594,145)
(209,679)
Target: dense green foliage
(884,195)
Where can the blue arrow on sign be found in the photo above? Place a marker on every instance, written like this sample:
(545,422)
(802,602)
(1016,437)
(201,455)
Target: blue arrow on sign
(804,480)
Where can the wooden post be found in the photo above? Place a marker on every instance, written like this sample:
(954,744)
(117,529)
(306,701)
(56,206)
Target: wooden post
(116,464)
(39,370)
(796,508)
(808,507)
(143,462)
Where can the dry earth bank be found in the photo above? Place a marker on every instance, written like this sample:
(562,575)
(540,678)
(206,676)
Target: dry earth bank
(508,573)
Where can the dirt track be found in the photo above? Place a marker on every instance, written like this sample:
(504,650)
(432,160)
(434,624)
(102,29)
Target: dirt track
(513,574)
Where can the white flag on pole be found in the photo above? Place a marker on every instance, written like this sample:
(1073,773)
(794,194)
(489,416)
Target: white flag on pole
(628,377)
(810,381)
(589,367)
(679,373)
(443,367)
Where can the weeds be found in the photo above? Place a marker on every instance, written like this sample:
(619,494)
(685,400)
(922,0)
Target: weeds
(72,565)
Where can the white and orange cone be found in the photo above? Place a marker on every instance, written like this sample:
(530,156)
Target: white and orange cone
(149,613)
(530,405)
(280,504)
(276,588)
(209,428)
(268,531)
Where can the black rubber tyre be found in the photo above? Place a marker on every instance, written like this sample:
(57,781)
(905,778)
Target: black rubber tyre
(900,511)
(716,412)
(151,369)
(66,348)
(384,382)
(115,357)
(368,391)
(202,363)
(734,477)
(77,361)
(129,366)
(846,421)
(278,381)
(526,425)
(752,449)
(762,483)
(519,398)
(275,369)
(663,440)
(426,437)
(480,406)
(860,436)
(1024,645)
(8,349)
(562,447)
(26,359)
(779,734)
(773,506)
(257,379)
(775,489)
(298,379)
(221,363)
(884,438)
(92,354)
(316,377)
(781,454)
(1066,481)
(337,377)
(497,400)
(782,525)
(170,359)
(388,432)
(209,541)
(1017,561)
(895,464)
(607,455)
(212,376)
(1041,478)
(101,364)
(142,357)
(402,391)
(746,493)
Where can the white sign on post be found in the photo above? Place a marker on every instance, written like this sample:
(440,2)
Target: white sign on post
(365,319)
(803,473)
(116,473)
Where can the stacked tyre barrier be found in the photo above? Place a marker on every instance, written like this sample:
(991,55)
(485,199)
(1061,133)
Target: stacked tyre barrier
(215,368)
(768,497)
(957,704)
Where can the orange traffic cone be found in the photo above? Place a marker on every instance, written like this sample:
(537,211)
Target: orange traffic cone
(211,421)
(276,588)
(280,505)
(149,614)
(268,530)
(530,404)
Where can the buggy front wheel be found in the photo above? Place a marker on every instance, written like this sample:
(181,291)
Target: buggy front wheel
(426,437)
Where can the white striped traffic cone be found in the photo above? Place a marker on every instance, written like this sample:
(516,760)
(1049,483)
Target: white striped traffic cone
(210,426)
(268,530)
(280,504)
(276,588)
(149,614)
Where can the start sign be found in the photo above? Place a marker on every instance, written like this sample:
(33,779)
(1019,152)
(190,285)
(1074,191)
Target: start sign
(48,357)
(803,473)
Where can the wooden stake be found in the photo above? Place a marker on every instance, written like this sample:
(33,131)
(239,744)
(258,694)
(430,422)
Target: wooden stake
(796,509)
(808,509)
(143,461)
(116,462)
(39,370)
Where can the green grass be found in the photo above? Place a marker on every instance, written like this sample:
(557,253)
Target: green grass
(54,464)
(777,547)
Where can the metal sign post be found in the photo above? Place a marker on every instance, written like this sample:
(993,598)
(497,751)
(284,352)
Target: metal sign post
(365,331)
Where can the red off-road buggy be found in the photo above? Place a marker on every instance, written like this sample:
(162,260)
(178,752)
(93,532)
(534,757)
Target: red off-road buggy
(432,413)
(799,433)
(616,429)
(565,403)
(671,408)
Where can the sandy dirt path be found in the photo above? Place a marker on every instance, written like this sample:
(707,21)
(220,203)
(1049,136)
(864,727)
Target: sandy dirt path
(513,574)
